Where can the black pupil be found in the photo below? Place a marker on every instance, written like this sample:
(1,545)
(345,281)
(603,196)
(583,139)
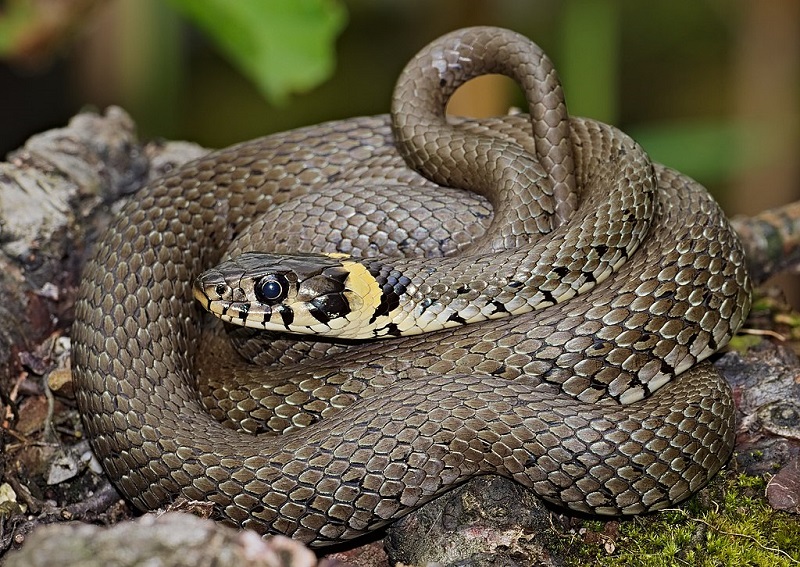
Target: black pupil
(271,288)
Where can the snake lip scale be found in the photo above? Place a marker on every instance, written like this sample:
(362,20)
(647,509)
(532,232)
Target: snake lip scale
(546,298)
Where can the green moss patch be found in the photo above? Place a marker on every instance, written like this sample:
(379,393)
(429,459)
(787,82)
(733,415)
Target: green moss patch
(727,523)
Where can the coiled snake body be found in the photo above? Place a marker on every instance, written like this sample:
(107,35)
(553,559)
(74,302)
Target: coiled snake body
(549,373)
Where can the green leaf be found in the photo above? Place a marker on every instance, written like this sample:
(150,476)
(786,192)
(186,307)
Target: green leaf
(15,19)
(284,46)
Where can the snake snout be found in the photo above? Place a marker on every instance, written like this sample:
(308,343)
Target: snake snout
(217,291)
(210,286)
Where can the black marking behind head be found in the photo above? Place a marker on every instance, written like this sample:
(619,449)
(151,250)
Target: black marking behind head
(393,285)
(390,329)
(389,301)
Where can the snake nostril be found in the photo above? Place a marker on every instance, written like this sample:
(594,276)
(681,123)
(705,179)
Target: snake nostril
(220,289)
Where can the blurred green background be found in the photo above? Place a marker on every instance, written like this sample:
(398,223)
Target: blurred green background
(710,87)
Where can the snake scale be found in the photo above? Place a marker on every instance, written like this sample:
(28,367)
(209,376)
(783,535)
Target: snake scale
(575,290)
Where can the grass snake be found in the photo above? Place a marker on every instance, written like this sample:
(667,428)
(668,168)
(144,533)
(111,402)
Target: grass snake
(569,291)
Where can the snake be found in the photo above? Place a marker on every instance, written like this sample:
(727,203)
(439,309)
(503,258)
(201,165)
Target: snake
(532,297)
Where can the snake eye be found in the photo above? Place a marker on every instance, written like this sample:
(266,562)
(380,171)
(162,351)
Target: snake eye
(271,289)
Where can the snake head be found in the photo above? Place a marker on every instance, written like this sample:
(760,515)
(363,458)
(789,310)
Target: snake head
(300,293)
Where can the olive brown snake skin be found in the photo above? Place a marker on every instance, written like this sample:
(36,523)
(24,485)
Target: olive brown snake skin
(640,280)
